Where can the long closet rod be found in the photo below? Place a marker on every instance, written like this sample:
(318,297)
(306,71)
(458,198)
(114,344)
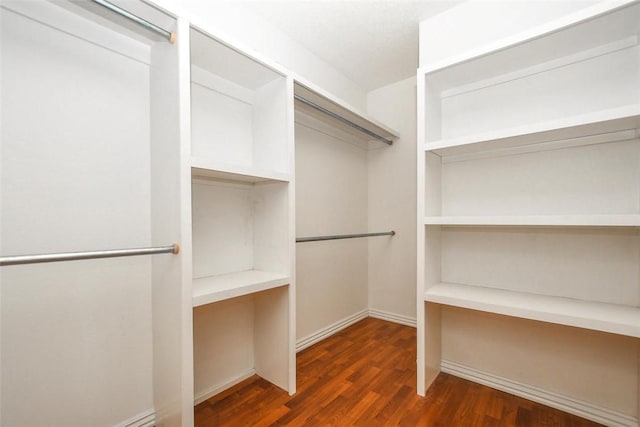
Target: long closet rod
(342,119)
(343,236)
(72,256)
(148,25)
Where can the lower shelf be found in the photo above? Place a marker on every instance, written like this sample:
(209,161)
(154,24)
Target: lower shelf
(211,289)
(612,318)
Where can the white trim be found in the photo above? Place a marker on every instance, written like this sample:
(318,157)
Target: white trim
(555,400)
(392,317)
(326,332)
(219,388)
(144,419)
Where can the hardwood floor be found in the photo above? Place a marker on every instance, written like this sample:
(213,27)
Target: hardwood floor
(365,376)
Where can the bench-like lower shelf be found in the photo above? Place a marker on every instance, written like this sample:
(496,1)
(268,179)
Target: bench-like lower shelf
(613,318)
(217,288)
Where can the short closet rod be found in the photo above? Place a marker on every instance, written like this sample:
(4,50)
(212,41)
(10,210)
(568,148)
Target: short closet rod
(73,256)
(148,25)
(343,120)
(343,236)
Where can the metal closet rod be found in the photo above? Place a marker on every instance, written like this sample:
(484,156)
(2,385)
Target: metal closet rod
(135,18)
(73,256)
(342,119)
(343,236)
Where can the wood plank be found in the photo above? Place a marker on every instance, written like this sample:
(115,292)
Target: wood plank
(365,376)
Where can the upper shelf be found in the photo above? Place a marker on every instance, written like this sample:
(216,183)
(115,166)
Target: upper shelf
(318,105)
(586,29)
(613,318)
(609,121)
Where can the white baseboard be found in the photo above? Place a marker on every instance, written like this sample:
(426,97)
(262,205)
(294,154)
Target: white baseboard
(392,317)
(564,403)
(145,419)
(326,332)
(218,388)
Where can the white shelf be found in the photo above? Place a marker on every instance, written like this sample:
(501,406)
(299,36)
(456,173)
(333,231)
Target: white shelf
(617,319)
(538,220)
(580,126)
(205,168)
(211,289)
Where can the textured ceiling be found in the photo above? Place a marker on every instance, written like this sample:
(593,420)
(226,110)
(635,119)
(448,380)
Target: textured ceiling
(373,43)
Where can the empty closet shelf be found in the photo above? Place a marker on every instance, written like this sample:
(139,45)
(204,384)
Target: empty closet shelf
(211,289)
(605,317)
(537,220)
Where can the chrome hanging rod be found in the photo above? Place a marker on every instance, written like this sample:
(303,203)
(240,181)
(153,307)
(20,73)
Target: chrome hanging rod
(73,256)
(342,119)
(343,236)
(148,25)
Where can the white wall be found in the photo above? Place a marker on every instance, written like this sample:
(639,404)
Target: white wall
(392,203)
(331,198)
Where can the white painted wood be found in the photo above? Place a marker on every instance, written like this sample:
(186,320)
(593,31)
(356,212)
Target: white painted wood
(600,122)
(243,235)
(272,338)
(205,168)
(239,109)
(532,196)
(613,318)
(211,289)
(171,291)
(538,220)
(219,388)
(591,26)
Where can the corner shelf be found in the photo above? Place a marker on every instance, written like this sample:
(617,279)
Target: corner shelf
(609,121)
(211,289)
(537,220)
(612,318)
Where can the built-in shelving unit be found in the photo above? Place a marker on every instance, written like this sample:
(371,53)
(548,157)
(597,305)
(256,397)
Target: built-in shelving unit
(529,179)
(241,217)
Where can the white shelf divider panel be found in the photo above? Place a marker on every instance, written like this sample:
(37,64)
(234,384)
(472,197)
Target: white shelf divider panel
(538,220)
(612,121)
(211,289)
(206,168)
(612,318)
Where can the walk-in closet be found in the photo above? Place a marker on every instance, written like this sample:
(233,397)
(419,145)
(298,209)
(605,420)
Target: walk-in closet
(345,213)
